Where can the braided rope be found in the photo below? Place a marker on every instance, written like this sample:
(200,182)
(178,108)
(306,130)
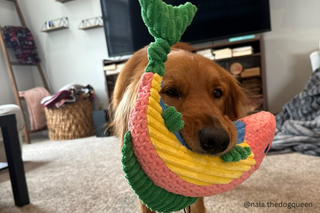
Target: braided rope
(166,24)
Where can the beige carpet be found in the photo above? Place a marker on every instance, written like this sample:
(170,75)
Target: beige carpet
(84,176)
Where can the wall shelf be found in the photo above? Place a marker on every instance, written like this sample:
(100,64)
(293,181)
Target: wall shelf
(54,29)
(90,27)
(63,1)
(91,23)
(56,24)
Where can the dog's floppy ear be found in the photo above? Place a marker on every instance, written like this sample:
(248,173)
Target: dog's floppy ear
(125,92)
(237,102)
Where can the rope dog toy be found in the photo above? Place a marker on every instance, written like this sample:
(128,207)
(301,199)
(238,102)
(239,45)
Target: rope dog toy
(162,171)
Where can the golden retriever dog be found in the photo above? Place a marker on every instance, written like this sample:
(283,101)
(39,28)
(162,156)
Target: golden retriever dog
(208,97)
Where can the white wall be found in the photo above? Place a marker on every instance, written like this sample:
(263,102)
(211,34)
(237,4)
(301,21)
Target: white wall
(295,34)
(71,55)
(24,75)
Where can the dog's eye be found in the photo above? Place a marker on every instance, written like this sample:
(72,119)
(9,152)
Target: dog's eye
(217,93)
(172,92)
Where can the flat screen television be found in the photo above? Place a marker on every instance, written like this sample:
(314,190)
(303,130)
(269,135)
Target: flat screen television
(215,19)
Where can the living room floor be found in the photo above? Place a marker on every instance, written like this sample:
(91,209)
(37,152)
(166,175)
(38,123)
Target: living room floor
(85,175)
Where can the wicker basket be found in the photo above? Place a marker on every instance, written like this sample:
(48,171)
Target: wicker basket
(71,120)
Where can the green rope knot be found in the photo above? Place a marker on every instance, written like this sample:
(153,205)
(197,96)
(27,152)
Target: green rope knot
(236,154)
(172,119)
(157,55)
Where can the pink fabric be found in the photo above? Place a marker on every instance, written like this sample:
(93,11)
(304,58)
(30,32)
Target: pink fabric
(35,109)
(159,173)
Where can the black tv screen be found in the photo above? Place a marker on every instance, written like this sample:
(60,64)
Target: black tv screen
(214,20)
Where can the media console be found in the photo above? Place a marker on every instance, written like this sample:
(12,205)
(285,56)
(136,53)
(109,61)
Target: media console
(254,82)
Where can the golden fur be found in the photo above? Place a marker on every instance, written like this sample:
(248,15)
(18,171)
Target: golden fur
(190,84)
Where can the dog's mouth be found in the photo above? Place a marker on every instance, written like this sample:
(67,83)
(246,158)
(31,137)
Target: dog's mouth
(214,141)
(210,140)
(209,150)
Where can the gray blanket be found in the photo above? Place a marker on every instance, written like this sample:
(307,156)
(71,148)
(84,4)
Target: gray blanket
(298,125)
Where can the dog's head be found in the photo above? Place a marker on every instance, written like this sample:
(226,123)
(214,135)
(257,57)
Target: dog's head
(209,99)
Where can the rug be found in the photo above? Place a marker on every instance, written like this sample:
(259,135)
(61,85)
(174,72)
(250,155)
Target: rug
(85,175)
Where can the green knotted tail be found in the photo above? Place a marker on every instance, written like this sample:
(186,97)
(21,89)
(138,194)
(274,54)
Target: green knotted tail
(166,24)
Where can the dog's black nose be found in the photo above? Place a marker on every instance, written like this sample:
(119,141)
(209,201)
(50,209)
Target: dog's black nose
(214,140)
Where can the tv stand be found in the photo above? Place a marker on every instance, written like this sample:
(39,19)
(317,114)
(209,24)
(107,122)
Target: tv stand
(254,60)
(258,96)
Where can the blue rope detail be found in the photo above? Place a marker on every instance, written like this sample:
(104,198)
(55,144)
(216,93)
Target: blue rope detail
(241,130)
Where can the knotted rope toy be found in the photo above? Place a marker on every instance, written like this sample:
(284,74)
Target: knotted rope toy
(162,171)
